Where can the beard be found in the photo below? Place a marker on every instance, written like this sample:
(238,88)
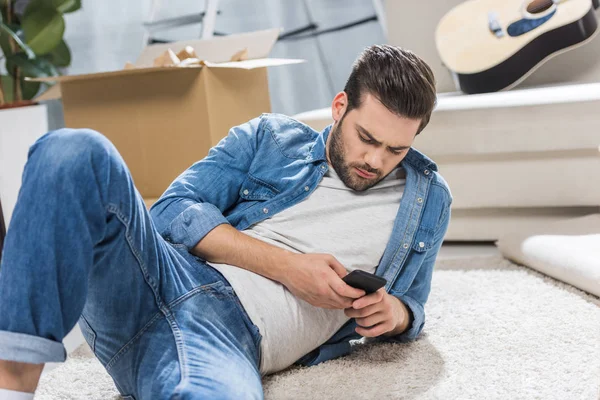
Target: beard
(346,171)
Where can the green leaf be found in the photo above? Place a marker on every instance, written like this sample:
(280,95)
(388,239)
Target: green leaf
(5,32)
(4,45)
(28,89)
(3,9)
(43,26)
(7,86)
(34,68)
(66,6)
(60,56)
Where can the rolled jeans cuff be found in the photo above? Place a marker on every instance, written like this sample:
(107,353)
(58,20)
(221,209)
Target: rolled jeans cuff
(22,347)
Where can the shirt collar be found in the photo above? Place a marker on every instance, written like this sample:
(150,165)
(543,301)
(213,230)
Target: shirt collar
(318,152)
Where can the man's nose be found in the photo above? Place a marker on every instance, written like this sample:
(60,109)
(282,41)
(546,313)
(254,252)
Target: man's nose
(374,158)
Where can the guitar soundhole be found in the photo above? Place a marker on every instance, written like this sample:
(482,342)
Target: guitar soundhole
(539,6)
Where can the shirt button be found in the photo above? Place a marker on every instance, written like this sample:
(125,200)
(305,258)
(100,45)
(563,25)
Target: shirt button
(419,200)
(306,188)
(323,167)
(246,191)
(421,244)
(405,245)
(266,210)
(426,172)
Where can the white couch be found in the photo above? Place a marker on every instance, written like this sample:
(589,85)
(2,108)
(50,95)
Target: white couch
(513,159)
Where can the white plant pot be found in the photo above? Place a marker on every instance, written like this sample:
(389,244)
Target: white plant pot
(19,128)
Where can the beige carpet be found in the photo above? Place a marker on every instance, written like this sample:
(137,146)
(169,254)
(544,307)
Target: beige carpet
(495,331)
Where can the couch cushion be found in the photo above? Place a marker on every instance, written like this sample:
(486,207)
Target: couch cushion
(568,250)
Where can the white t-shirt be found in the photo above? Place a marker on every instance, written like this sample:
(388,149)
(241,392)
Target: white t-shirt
(352,226)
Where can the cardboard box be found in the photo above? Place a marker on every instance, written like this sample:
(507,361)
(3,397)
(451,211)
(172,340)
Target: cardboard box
(163,119)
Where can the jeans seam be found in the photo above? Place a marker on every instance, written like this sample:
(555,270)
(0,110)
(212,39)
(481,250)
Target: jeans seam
(93,333)
(183,367)
(131,341)
(117,212)
(191,293)
(111,208)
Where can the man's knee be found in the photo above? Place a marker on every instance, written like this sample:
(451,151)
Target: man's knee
(70,150)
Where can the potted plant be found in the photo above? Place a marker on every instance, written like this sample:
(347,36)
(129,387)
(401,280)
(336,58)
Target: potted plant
(31,46)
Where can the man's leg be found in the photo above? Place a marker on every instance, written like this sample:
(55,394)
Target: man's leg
(80,244)
(218,347)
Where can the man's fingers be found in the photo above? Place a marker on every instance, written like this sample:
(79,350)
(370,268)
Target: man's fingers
(369,299)
(337,267)
(341,301)
(375,331)
(362,312)
(343,289)
(371,320)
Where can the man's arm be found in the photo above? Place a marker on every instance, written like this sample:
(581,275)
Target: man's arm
(398,317)
(191,211)
(227,245)
(416,296)
(314,278)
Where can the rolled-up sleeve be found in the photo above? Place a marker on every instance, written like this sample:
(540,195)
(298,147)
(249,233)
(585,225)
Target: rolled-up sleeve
(194,203)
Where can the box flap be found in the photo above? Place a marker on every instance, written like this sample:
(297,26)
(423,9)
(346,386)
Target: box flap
(218,49)
(259,63)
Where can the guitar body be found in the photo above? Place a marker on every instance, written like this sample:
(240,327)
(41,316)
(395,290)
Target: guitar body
(492,45)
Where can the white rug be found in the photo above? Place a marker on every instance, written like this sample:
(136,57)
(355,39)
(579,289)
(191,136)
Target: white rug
(494,331)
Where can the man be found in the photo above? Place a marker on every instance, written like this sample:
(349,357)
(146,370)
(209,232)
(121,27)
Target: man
(236,271)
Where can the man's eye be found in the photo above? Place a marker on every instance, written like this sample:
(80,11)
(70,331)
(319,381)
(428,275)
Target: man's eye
(366,140)
(396,152)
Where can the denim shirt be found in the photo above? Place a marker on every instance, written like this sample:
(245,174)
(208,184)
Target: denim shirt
(274,162)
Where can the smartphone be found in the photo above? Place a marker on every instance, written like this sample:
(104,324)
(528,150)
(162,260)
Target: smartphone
(366,281)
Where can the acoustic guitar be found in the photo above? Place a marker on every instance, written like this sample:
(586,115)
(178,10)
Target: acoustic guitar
(492,45)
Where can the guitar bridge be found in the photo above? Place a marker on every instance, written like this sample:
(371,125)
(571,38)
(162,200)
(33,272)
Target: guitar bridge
(494,24)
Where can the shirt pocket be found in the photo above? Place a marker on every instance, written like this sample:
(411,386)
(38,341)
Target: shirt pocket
(422,243)
(423,240)
(255,189)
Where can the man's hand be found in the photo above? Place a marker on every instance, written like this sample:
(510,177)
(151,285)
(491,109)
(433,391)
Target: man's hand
(317,279)
(379,313)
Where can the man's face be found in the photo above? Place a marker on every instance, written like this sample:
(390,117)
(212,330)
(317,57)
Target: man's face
(367,143)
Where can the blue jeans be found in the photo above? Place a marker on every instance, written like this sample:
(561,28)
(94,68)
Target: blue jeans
(81,247)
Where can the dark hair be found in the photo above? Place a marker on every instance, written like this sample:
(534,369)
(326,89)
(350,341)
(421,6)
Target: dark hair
(398,78)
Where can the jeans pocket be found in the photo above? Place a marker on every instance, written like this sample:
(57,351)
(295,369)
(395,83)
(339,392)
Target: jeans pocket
(88,333)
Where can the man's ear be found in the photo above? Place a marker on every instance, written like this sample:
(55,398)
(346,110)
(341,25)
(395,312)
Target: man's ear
(338,106)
